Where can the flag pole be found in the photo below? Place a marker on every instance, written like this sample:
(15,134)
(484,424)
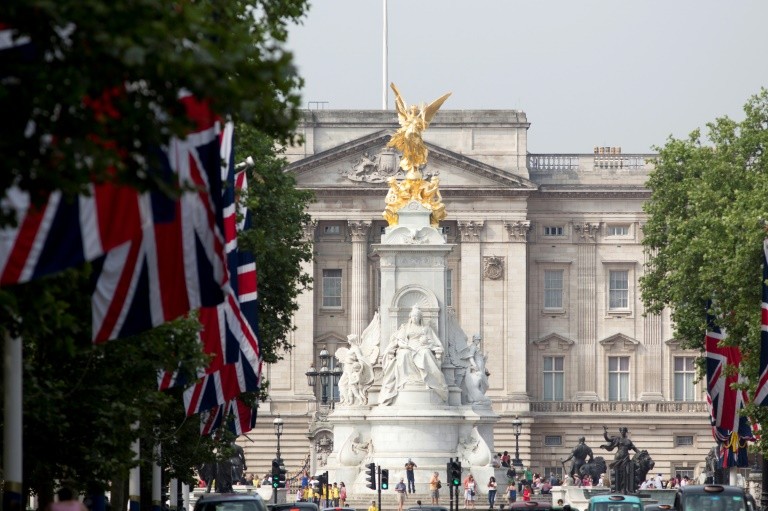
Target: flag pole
(384,89)
(12,433)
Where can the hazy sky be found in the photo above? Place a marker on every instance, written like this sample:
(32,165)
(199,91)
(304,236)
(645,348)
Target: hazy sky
(623,73)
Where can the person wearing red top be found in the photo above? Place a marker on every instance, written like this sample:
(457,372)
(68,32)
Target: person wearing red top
(526,493)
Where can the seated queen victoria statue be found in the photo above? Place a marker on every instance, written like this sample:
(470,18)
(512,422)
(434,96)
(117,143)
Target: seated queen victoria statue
(414,355)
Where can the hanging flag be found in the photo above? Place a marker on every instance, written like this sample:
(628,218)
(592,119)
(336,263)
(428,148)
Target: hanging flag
(64,233)
(761,393)
(178,263)
(730,429)
(229,330)
(237,416)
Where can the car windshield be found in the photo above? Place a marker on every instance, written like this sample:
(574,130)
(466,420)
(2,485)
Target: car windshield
(715,503)
(616,506)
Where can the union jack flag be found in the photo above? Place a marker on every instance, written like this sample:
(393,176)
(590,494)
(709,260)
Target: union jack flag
(761,393)
(229,333)
(730,429)
(64,233)
(178,262)
(236,415)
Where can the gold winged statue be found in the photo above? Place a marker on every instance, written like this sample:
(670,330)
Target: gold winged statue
(414,120)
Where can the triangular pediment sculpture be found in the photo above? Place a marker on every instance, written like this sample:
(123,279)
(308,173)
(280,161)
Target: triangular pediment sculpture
(367,163)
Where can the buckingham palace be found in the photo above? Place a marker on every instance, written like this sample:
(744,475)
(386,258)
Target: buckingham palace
(545,267)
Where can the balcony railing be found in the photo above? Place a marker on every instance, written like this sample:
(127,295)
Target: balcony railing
(574,162)
(654,407)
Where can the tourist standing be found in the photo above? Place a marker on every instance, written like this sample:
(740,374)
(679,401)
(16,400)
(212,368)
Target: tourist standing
(527,493)
(470,491)
(335,494)
(400,490)
(342,494)
(511,491)
(409,466)
(491,492)
(434,488)
(373,507)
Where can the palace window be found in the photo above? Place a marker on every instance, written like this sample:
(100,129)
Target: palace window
(553,441)
(553,230)
(685,374)
(553,379)
(553,289)
(332,230)
(684,440)
(618,230)
(618,289)
(618,378)
(332,288)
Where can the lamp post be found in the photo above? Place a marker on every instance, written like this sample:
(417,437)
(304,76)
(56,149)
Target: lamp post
(517,427)
(278,424)
(326,374)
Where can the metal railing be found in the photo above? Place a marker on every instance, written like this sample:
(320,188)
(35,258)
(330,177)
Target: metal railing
(655,407)
(574,162)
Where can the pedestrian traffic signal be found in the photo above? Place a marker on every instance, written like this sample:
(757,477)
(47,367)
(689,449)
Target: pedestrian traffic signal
(455,473)
(276,473)
(371,475)
(384,479)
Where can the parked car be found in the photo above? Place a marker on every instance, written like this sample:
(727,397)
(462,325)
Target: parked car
(711,497)
(427,508)
(230,502)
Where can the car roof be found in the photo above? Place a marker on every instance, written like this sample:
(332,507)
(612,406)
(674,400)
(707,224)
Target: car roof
(221,497)
(615,497)
(531,504)
(702,489)
(304,506)
(427,508)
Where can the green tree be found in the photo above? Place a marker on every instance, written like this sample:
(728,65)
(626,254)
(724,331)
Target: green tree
(99,84)
(705,232)
(276,238)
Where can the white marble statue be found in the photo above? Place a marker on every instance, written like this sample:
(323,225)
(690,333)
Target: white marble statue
(475,381)
(358,360)
(414,354)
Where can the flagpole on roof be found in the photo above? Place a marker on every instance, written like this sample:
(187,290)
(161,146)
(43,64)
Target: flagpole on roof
(12,432)
(384,89)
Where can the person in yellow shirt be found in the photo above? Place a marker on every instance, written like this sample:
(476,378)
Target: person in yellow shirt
(335,495)
(373,507)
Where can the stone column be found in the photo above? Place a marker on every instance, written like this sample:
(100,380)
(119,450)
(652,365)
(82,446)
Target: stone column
(586,310)
(298,360)
(652,378)
(515,342)
(358,303)
(470,277)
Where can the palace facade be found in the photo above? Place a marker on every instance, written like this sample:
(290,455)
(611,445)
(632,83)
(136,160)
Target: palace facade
(545,267)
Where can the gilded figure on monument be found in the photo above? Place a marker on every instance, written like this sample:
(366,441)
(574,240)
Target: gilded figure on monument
(414,120)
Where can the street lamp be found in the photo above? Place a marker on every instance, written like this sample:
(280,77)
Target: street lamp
(278,424)
(325,373)
(517,427)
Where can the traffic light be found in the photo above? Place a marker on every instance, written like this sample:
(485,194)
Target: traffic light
(455,473)
(282,475)
(276,473)
(384,479)
(371,475)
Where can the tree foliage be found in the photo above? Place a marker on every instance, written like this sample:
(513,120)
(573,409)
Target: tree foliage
(91,96)
(705,231)
(97,87)
(276,238)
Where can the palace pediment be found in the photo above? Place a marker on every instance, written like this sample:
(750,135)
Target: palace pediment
(367,163)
